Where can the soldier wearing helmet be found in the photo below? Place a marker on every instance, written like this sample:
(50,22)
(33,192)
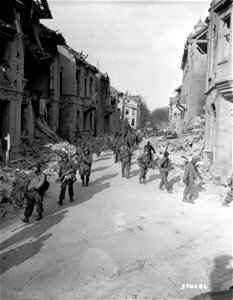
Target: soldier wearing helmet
(191,173)
(164,167)
(67,170)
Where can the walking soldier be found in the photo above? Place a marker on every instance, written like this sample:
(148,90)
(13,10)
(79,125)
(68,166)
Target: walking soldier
(125,157)
(67,176)
(191,173)
(229,196)
(164,167)
(36,188)
(144,163)
(85,166)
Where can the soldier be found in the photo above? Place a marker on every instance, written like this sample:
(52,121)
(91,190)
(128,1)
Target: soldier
(98,146)
(150,149)
(67,176)
(191,173)
(37,185)
(164,167)
(117,149)
(85,166)
(229,196)
(125,157)
(144,163)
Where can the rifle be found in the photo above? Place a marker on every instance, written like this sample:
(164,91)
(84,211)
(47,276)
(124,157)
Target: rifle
(166,147)
(60,179)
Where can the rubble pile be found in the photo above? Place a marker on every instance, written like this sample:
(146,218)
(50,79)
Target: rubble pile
(181,149)
(14,180)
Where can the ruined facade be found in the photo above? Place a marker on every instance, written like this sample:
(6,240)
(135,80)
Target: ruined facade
(28,70)
(103,104)
(77,111)
(46,85)
(194,73)
(219,88)
(115,117)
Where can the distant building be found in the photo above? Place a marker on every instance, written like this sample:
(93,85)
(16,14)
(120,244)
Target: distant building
(103,102)
(131,109)
(194,73)
(219,88)
(115,117)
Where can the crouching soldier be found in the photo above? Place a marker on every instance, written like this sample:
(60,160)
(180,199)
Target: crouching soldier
(164,167)
(125,157)
(85,166)
(67,170)
(144,163)
(229,195)
(191,174)
(37,185)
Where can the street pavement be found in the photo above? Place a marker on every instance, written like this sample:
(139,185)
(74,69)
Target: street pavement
(118,240)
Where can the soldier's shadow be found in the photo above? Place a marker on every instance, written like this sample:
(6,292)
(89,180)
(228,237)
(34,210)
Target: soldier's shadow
(27,242)
(154,177)
(134,173)
(220,280)
(174,180)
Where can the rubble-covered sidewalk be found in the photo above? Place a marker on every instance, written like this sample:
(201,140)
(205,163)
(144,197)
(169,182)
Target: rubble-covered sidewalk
(181,148)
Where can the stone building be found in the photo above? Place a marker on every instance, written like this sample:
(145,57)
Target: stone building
(219,88)
(115,117)
(103,104)
(131,109)
(194,73)
(77,95)
(28,70)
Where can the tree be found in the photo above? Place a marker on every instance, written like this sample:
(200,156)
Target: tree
(145,114)
(160,117)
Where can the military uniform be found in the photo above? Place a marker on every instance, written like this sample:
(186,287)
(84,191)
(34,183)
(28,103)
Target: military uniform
(35,195)
(144,163)
(125,157)
(229,196)
(190,175)
(85,166)
(66,166)
(164,167)
(150,149)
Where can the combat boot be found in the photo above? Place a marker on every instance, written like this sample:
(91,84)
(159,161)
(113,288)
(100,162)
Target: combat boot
(39,217)
(60,202)
(25,220)
(71,199)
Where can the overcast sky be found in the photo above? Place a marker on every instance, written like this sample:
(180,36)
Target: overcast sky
(138,43)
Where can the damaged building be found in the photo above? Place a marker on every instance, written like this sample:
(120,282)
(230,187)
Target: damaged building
(78,101)
(219,88)
(115,117)
(103,102)
(131,109)
(28,70)
(177,110)
(194,73)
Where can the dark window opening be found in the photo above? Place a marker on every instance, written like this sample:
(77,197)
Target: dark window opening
(202,48)
(61,88)
(85,88)
(78,81)
(4,118)
(91,87)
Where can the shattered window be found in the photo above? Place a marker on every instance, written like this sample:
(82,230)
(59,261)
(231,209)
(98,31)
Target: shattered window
(226,35)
